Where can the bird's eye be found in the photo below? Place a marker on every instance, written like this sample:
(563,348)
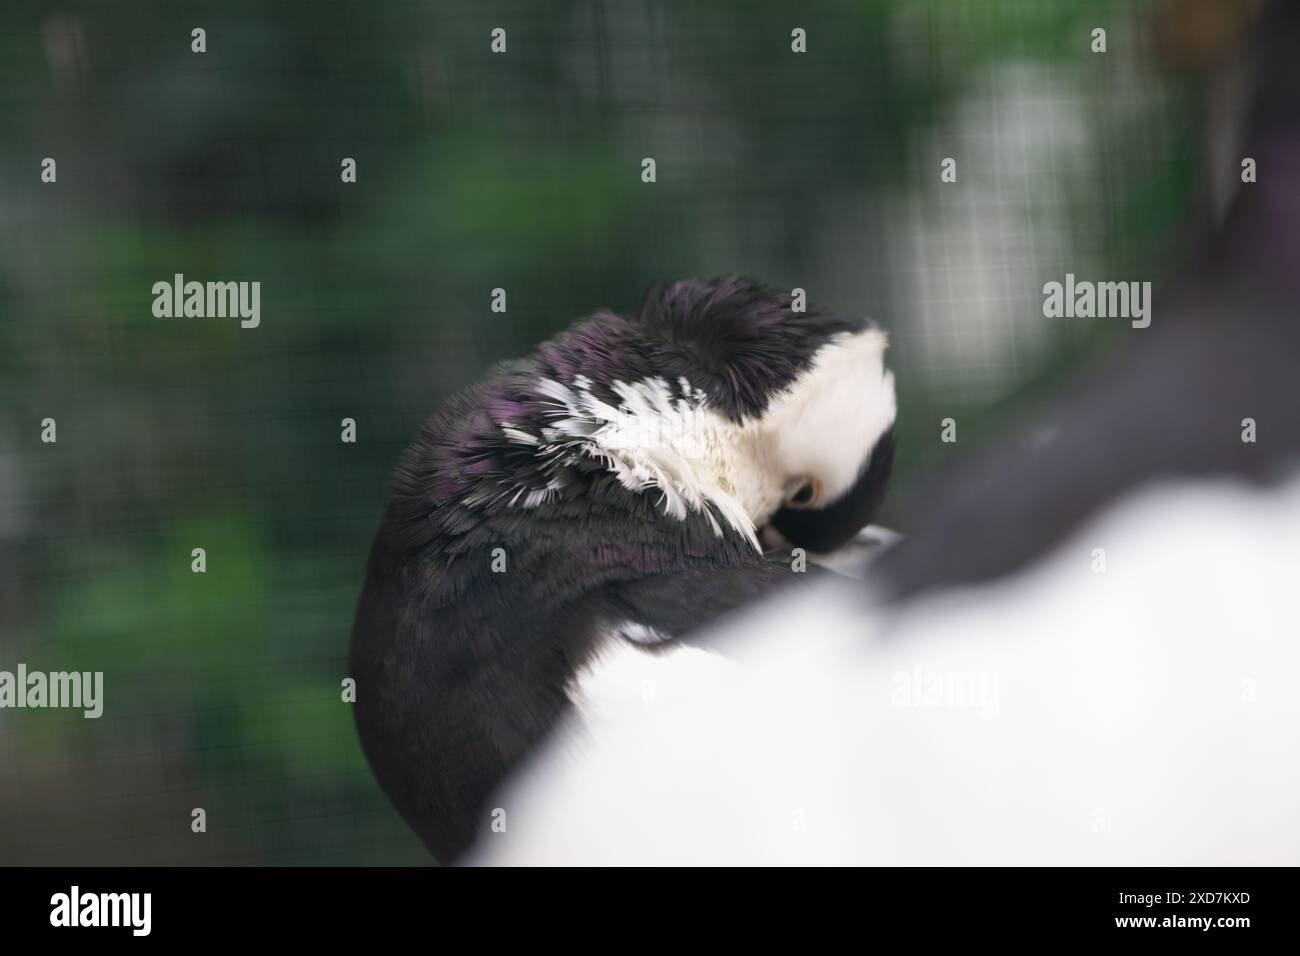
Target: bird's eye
(800,493)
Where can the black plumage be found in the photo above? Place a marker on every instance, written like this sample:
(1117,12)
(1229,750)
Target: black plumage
(502,562)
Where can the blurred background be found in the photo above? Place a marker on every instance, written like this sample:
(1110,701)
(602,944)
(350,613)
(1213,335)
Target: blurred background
(475,171)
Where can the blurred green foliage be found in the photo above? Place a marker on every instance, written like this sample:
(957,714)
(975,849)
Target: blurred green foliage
(475,171)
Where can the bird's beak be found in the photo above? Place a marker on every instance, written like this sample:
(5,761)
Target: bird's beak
(773,540)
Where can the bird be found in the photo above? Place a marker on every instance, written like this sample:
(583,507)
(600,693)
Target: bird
(992,694)
(634,479)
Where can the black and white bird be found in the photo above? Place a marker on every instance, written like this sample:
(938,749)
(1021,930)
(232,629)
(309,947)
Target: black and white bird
(1014,701)
(616,486)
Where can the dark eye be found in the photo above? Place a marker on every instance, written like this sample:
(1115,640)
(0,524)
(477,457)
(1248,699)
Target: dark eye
(800,493)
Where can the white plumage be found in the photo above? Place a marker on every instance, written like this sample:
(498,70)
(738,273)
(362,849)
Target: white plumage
(1144,714)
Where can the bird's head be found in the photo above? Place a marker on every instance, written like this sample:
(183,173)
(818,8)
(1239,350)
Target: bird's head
(720,400)
(721,397)
(800,405)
